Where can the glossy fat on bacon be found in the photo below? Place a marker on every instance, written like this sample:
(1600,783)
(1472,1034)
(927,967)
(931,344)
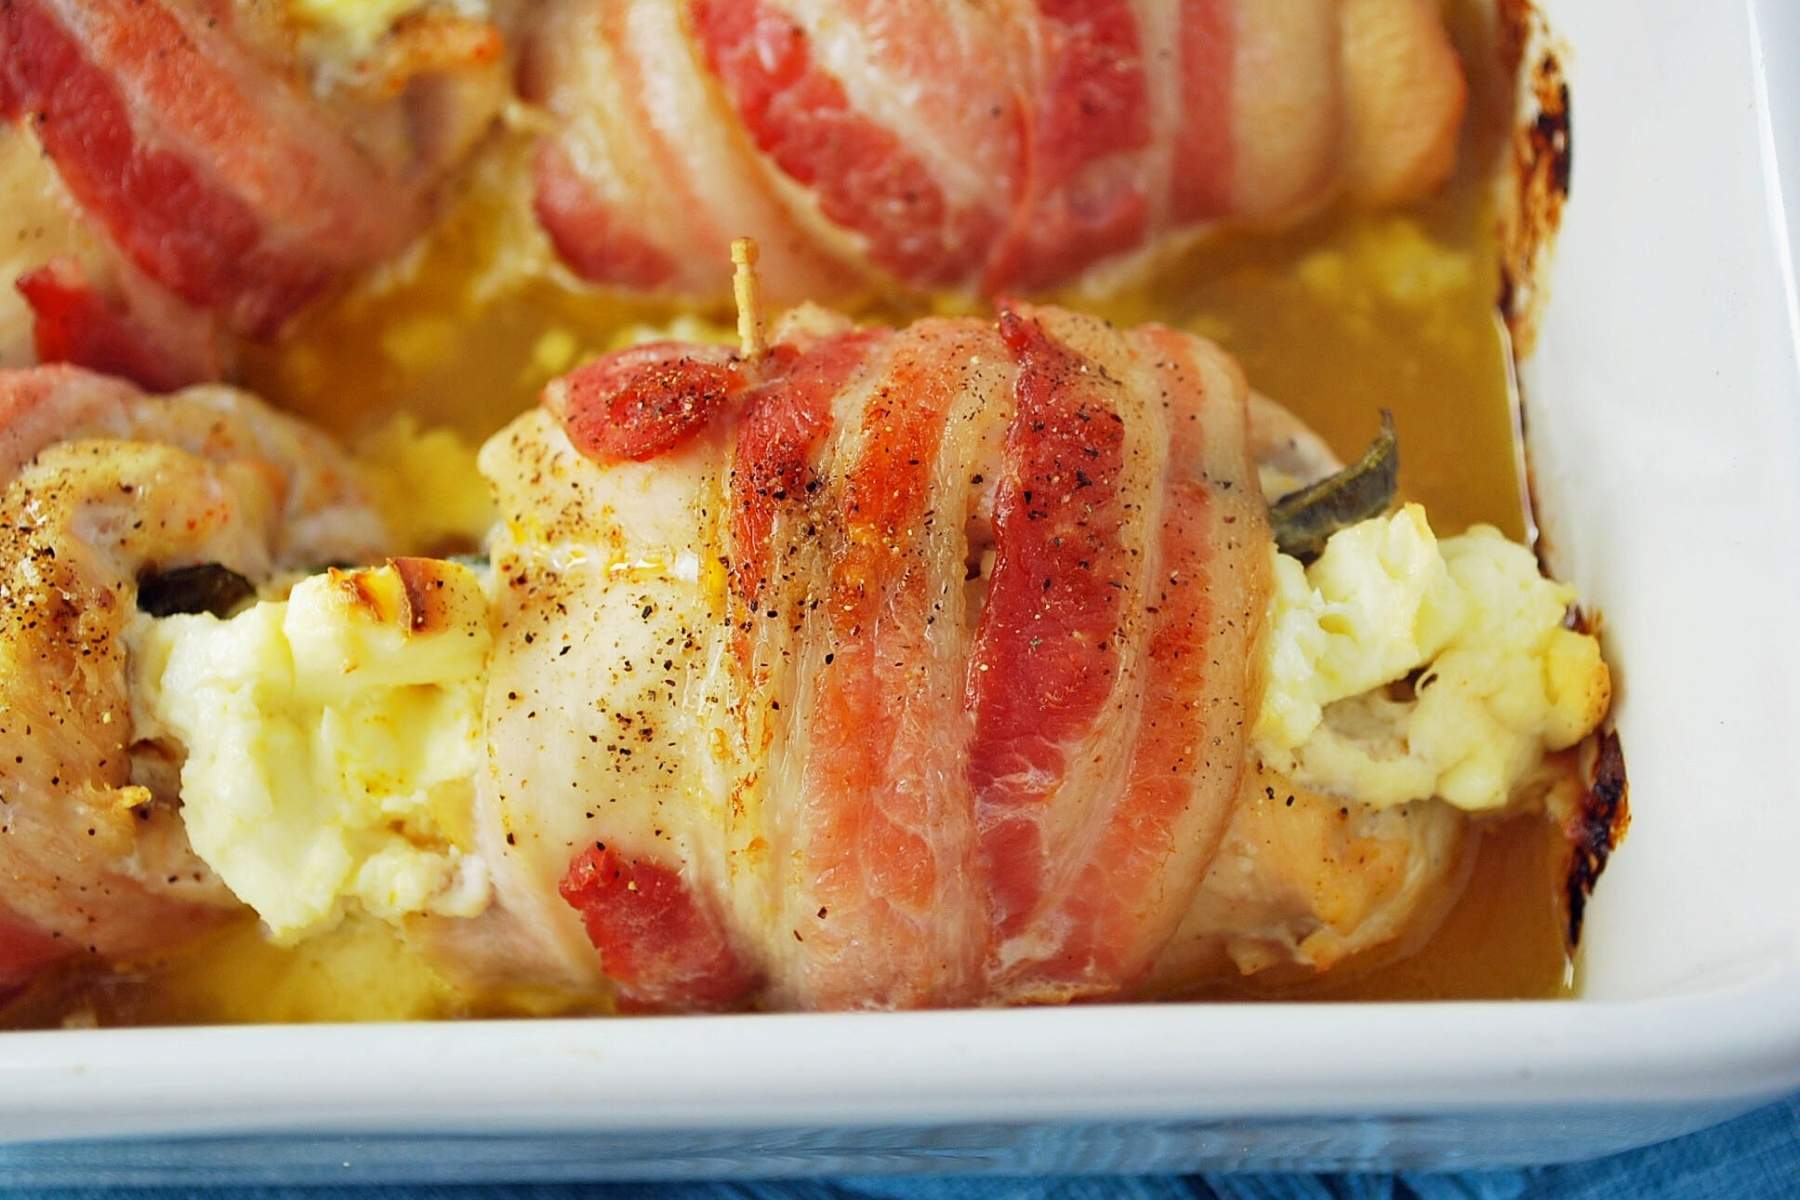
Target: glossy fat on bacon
(99,483)
(215,163)
(951,145)
(918,677)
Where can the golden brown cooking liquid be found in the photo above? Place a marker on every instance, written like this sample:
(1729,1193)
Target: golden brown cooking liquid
(1347,315)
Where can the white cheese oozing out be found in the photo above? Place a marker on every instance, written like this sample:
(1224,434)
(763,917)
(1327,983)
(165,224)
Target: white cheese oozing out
(332,742)
(1499,679)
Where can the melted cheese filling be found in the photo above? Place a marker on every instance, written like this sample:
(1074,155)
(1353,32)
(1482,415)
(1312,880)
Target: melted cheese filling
(1497,678)
(332,741)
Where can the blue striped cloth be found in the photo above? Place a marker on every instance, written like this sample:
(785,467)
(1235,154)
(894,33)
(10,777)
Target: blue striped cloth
(1752,1158)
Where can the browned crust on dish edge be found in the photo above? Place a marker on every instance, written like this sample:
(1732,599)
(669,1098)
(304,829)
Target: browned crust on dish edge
(1539,171)
(1595,828)
(1537,175)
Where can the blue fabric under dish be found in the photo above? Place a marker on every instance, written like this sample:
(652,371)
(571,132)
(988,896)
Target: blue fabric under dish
(1754,1157)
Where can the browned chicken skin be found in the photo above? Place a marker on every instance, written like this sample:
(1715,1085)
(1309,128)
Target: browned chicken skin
(101,485)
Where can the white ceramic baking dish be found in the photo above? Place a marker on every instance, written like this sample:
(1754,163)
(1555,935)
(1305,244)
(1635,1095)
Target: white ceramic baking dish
(1663,404)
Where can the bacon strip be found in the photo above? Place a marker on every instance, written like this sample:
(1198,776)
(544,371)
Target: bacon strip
(785,422)
(587,232)
(664,947)
(24,951)
(955,145)
(1148,856)
(642,402)
(878,821)
(647,174)
(74,323)
(865,177)
(1081,197)
(41,406)
(1045,660)
(217,180)
(1200,186)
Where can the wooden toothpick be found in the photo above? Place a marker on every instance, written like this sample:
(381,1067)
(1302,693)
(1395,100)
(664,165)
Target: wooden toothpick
(744,288)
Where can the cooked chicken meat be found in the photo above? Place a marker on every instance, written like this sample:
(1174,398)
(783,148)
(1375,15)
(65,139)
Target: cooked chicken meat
(103,489)
(857,768)
(222,161)
(908,668)
(864,668)
(1304,882)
